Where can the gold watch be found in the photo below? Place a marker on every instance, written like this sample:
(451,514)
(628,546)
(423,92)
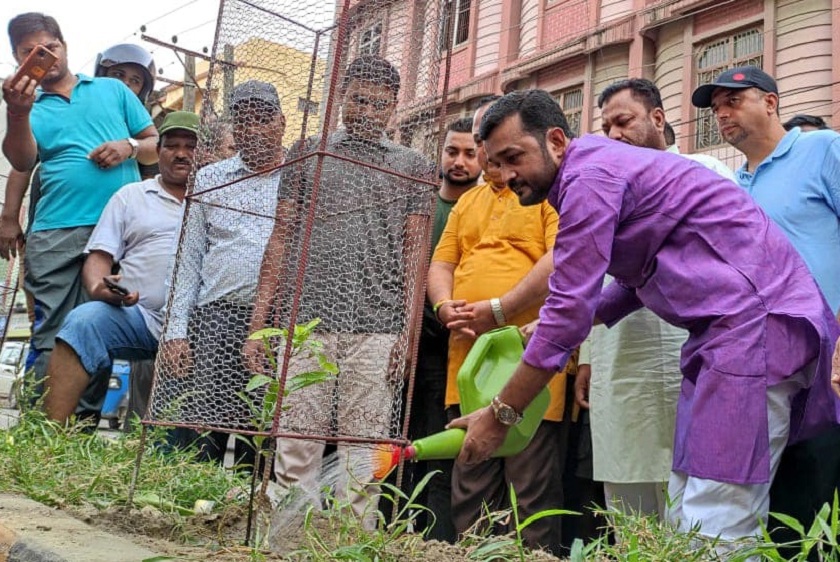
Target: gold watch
(504,413)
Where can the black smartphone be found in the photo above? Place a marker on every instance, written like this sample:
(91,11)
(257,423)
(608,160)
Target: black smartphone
(115,288)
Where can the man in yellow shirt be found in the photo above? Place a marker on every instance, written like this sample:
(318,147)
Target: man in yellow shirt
(491,269)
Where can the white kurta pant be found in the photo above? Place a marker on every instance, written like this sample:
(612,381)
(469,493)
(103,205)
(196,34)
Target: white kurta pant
(697,501)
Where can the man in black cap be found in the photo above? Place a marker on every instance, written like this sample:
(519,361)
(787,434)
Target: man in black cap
(795,178)
(227,224)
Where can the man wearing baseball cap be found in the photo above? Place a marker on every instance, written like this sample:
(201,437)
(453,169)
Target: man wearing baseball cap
(123,318)
(226,229)
(795,178)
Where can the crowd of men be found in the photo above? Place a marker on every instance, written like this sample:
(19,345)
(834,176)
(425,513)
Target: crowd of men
(708,401)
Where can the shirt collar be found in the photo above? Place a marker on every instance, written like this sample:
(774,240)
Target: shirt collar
(79,79)
(673,149)
(781,149)
(344,139)
(156,186)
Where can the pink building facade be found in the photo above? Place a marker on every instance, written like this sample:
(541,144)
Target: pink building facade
(575,48)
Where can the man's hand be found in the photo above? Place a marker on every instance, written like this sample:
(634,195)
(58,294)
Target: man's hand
(528,330)
(176,357)
(582,378)
(477,319)
(835,368)
(101,292)
(484,435)
(110,154)
(400,357)
(254,358)
(19,97)
(451,313)
(11,237)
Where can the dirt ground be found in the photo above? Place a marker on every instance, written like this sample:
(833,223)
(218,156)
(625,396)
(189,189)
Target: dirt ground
(220,536)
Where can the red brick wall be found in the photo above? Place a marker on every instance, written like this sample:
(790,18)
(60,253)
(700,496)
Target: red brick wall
(460,72)
(552,78)
(710,20)
(564,20)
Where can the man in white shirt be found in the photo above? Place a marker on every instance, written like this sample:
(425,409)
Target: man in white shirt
(228,221)
(123,319)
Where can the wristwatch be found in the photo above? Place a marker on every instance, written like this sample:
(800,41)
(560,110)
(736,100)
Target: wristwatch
(135,148)
(504,413)
(498,313)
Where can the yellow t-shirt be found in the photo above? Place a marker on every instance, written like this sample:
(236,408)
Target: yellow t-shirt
(494,242)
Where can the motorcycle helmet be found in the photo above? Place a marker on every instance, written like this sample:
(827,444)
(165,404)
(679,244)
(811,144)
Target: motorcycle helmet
(128,53)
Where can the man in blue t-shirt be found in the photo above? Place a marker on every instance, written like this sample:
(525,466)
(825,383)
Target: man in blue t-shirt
(795,177)
(89,134)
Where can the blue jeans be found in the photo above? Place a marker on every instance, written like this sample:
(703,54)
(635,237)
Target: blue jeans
(99,333)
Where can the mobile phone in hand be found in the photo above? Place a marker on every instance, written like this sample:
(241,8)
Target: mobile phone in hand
(115,288)
(36,65)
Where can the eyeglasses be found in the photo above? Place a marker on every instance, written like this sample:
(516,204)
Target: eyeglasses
(254,114)
(377,104)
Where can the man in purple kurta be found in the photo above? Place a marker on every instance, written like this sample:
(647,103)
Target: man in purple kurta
(694,249)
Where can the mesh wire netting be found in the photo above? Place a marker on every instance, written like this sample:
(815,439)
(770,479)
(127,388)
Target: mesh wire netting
(312,204)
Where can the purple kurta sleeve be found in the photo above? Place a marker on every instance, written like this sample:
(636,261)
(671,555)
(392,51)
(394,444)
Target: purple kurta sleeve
(617,301)
(590,204)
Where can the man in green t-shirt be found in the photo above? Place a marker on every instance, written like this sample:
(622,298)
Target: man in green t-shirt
(460,171)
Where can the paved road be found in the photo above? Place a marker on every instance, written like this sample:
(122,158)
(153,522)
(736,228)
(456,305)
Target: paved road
(7,417)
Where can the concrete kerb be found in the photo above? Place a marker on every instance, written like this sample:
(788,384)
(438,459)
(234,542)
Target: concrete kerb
(33,532)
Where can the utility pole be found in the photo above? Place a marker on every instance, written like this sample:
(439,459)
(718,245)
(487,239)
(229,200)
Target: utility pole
(227,82)
(189,83)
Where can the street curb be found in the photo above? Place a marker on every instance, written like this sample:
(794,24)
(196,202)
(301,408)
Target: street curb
(33,532)
(13,548)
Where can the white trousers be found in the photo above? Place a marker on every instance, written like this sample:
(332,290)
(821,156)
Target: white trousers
(640,498)
(734,511)
(359,403)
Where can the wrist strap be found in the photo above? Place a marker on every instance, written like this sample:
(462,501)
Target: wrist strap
(498,313)
(437,305)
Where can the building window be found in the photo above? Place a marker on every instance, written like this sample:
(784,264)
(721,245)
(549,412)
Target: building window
(455,25)
(739,49)
(572,103)
(308,106)
(370,41)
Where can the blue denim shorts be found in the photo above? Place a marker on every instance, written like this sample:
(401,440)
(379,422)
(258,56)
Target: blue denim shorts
(100,332)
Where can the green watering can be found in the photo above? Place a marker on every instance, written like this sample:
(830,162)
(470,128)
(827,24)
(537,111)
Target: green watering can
(487,368)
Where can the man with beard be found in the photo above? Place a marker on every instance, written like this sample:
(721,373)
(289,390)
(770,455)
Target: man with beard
(491,269)
(460,169)
(634,367)
(136,231)
(87,132)
(226,228)
(698,252)
(795,178)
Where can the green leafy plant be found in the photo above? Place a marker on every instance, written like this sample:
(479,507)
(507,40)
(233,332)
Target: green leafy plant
(819,542)
(274,342)
(486,546)
(338,533)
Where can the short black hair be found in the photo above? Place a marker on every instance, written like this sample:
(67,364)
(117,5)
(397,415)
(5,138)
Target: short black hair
(810,120)
(538,111)
(462,125)
(643,90)
(32,22)
(375,69)
(487,100)
(670,135)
